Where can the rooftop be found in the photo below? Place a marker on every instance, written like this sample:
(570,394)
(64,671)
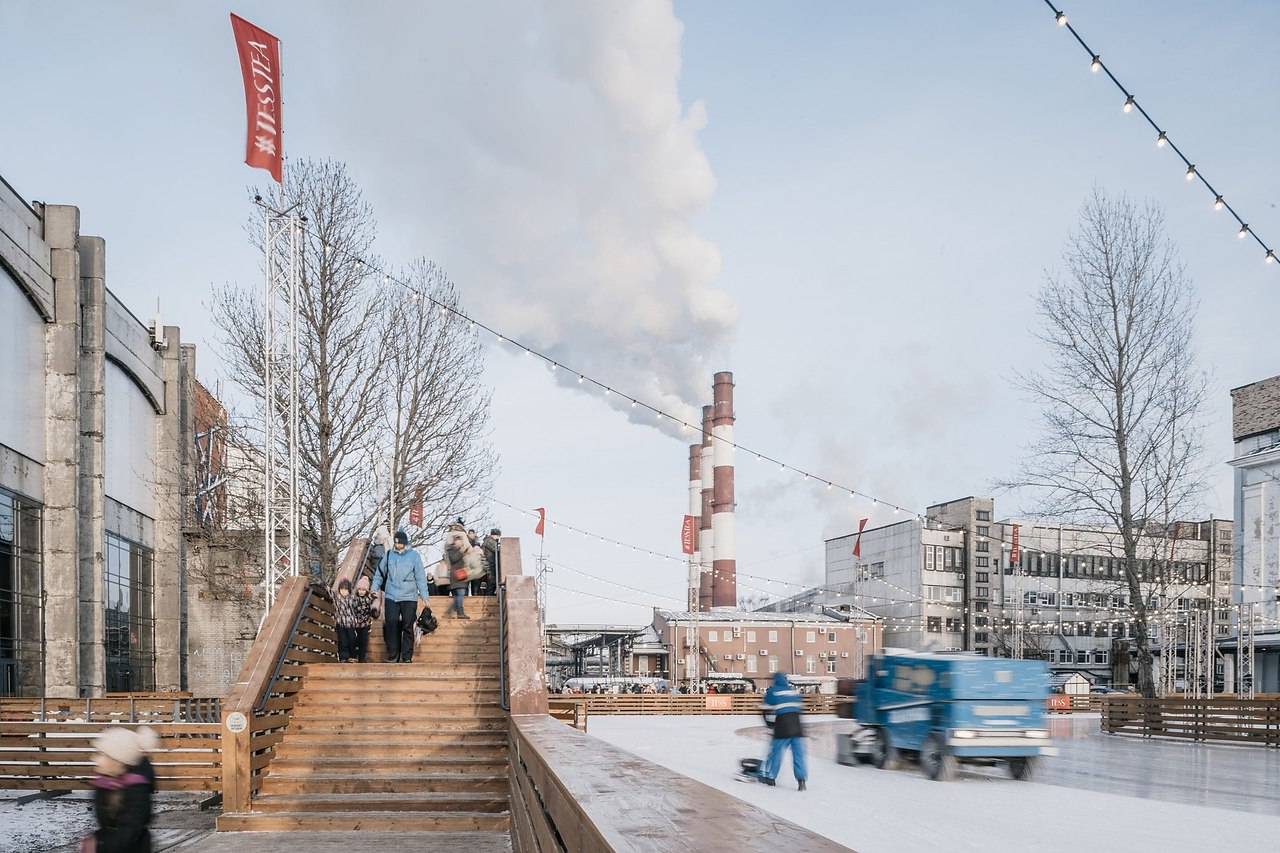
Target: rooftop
(745,616)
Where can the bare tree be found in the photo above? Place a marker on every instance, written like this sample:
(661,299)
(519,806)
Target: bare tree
(1122,396)
(386,384)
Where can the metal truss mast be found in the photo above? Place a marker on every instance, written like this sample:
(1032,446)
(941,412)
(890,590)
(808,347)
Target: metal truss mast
(282,244)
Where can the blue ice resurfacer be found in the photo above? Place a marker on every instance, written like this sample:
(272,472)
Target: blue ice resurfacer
(945,708)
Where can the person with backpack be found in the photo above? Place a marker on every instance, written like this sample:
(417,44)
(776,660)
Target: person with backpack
(403,580)
(461,563)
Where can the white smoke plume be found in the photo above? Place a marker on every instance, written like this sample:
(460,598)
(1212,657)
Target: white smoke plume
(550,165)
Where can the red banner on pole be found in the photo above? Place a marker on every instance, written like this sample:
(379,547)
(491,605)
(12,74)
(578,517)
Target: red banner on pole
(857,543)
(686,535)
(542,521)
(1015,555)
(415,511)
(260,66)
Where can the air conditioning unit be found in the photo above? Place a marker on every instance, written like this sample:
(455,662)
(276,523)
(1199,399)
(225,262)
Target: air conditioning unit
(799,653)
(742,657)
(737,632)
(844,654)
(764,652)
(728,657)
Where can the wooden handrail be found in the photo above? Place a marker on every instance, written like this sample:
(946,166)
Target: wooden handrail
(298,630)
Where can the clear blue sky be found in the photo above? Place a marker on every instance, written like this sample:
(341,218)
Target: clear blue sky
(890,180)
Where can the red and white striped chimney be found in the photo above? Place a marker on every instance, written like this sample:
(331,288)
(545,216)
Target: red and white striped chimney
(706,536)
(724,565)
(695,510)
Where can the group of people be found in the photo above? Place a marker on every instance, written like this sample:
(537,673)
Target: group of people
(394,580)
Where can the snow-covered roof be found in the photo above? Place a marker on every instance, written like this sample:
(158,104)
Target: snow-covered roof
(728,615)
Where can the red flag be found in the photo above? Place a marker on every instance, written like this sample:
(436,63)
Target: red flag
(260,66)
(542,521)
(415,511)
(857,543)
(686,535)
(1015,555)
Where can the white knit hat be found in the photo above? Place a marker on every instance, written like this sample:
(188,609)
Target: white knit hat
(148,740)
(121,744)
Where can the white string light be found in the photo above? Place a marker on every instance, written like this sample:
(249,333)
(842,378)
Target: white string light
(1162,140)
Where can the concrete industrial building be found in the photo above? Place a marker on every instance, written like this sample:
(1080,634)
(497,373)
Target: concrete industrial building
(1255,422)
(105,437)
(948,580)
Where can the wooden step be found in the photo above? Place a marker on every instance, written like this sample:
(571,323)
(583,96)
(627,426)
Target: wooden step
(356,676)
(365,783)
(485,746)
(378,671)
(398,766)
(303,723)
(483,731)
(419,694)
(390,821)
(421,801)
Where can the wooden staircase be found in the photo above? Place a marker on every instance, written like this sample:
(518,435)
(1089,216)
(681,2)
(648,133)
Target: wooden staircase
(395,746)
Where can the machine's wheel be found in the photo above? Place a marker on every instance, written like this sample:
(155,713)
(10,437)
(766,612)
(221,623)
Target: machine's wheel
(883,755)
(936,760)
(1022,769)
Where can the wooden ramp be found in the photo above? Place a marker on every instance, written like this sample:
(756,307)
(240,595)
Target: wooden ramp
(395,746)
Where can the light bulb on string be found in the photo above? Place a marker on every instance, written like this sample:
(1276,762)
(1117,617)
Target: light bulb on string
(1191,173)
(1128,104)
(1161,139)
(1243,232)
(1061,18)
(1096,64)
(1218,203)
(1271,256)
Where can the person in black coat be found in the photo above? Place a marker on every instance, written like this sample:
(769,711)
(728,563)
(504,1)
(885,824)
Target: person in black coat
(121,794)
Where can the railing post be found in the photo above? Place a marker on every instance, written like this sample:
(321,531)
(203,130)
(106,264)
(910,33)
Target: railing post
(236,765)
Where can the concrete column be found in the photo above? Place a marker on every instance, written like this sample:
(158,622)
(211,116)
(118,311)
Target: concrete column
(695,510)
(705,536)
(167,569)
(92,536)
(724,590)
(61,521)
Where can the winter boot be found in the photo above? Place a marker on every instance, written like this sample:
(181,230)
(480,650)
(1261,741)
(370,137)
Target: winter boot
(802,788)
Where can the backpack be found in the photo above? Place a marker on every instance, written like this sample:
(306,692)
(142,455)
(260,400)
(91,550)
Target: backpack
(427,621)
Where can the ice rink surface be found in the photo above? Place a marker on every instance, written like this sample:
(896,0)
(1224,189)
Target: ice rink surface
(1102,793)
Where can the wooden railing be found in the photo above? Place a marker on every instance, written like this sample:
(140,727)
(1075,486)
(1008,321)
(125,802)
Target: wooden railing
(1240,721)
(136,708)
(575,709)
(57,755)
(299,630)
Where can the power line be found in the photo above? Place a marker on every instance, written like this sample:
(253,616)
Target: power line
(1193,173)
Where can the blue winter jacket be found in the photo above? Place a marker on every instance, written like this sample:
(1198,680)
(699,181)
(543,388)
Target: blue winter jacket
(786,704)
(406,579)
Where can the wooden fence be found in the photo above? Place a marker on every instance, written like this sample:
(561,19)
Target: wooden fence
(576,709)
(57,755)
(115,708)
(298,630)
(1240,721)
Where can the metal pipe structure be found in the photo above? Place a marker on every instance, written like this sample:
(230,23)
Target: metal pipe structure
(724,566)
(706,535)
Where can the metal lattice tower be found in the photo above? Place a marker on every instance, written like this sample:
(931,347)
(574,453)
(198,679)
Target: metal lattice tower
(691,667)
(1200,653)
(282,245)
(1170,629)
(1244,651)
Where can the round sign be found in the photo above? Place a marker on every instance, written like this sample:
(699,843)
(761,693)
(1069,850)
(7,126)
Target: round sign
(236,722)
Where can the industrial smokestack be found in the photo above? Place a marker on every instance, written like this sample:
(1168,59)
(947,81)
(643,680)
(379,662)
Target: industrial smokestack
(706,534)
(695,510)
(724,565)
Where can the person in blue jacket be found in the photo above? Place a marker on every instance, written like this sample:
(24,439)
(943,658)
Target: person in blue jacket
(784,704)
(403,581)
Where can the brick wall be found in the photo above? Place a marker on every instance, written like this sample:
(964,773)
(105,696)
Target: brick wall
(1255,408)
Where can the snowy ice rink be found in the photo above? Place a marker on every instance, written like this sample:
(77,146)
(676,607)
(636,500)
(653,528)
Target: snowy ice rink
(1102,793)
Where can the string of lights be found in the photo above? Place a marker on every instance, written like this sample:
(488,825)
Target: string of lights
(1163,139)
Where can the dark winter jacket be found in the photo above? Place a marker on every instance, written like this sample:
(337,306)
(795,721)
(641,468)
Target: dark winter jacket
(123,808)
(490,548)
(786,705)
(353,611)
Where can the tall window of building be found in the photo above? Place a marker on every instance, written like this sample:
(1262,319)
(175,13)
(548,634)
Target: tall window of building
(983,545)
(984,515)
(811,637)
(984,530)
(831,665)
(773,638)
(983,577)
(20,585)
(751,664)
(751,637)
(712,636)
(810,665)
(928,556)
(933,624)
(130,617)
(953,626)
(773,664)
(982,562)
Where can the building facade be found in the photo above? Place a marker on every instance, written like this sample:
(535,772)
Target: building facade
(756,644)
(1255,421)
(97,446)
(957,578)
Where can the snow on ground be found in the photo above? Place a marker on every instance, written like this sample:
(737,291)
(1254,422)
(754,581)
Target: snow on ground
(53,824)
(1103,793)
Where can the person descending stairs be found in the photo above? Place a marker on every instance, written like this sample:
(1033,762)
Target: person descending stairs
(396,746)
